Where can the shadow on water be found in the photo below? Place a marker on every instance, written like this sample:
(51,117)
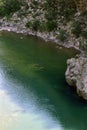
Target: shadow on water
(34,70)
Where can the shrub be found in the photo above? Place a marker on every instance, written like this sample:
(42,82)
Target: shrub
(11,6)
(51,15)
(43,26)
(29,24)
(67,9)
(68,14)
(76,28)
(36,25)
(84,14)
(36,14)
(0,23)
(62,36)
(51,25)
(2,11)
(84,34)
(22,13)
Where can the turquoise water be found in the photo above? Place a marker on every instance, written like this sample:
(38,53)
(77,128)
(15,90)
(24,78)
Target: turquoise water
(33,91)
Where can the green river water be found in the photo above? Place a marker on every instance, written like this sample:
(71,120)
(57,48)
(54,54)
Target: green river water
(33,91)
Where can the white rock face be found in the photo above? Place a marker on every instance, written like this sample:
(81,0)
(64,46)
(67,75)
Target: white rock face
(76,75)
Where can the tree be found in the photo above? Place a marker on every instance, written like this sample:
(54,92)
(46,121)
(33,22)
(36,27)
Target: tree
(11,5)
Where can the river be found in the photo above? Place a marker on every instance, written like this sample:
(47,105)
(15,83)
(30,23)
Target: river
(33,91)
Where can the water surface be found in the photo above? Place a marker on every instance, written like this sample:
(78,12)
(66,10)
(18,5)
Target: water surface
(33,91)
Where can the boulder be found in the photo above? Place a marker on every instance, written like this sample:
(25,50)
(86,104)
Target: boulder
(76,75)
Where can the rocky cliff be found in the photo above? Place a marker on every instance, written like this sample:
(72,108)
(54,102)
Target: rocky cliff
(76,75)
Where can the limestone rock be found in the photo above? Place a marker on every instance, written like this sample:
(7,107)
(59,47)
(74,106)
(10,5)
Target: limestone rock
(76,75)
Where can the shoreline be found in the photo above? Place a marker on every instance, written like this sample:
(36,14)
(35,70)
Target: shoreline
(45,36)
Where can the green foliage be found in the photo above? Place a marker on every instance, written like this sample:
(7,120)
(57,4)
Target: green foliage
(43,26)
(0,23)
(69,13)
(63,9)
(36,14)
(35,25)
(51,25)
(9,6)
(62,36)
(84,34)
(76,28)
(84,14)
(51,14)
(67,9)
(29,24)
(21,13)
(34,5)
(51,9)
(2,11)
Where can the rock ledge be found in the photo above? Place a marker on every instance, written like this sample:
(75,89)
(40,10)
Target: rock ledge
(76,75)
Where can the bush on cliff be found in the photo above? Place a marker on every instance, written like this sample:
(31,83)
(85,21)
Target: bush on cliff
(9,6)
(76,28)
(34,25)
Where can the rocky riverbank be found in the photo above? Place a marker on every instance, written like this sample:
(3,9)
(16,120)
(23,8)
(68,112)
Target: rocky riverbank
(19,27)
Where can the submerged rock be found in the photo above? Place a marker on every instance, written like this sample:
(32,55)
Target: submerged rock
(76,75)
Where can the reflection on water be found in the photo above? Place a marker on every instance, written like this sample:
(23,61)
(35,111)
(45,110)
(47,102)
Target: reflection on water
(33,91)
(14,117)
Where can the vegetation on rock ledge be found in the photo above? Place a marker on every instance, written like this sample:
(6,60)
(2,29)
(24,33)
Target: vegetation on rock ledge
(65,18)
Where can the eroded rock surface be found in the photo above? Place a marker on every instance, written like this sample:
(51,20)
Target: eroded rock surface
(76,75)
